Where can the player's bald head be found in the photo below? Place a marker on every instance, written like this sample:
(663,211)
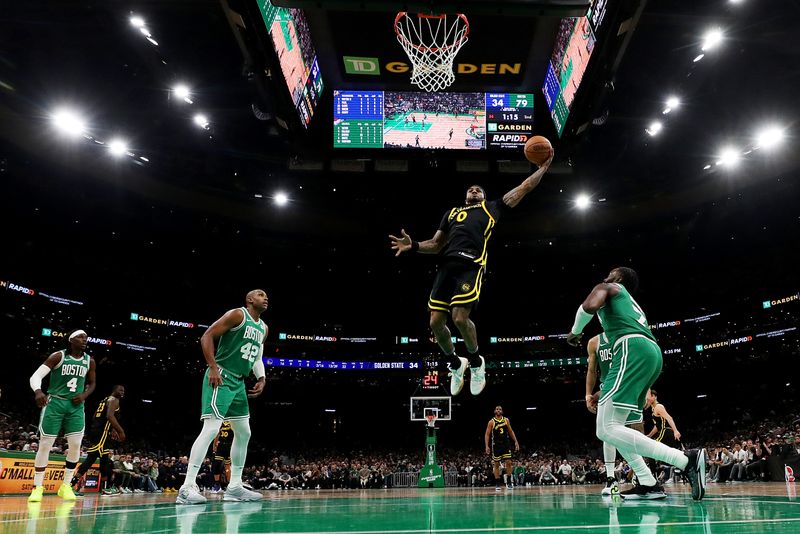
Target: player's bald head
(254,293)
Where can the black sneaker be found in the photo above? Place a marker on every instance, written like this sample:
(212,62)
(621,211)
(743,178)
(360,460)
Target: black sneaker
(696,472)
(645,493)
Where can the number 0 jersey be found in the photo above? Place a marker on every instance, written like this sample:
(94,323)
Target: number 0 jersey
(469,228)
(239,347)
(68,377)
(622,316)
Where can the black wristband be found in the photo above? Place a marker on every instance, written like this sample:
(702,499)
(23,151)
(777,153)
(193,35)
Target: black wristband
(414,246)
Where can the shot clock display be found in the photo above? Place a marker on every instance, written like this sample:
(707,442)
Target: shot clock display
(431,379)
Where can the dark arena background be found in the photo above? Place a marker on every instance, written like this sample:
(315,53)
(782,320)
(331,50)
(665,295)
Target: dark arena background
(161,159)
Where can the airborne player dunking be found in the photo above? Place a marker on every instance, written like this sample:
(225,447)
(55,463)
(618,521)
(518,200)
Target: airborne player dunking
(461,242)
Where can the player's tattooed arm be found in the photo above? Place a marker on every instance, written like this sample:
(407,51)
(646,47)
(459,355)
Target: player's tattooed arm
(513,197)
(405,243)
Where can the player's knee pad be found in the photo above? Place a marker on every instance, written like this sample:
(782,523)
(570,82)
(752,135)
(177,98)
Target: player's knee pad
(46,443)
(74,447)
(241,428)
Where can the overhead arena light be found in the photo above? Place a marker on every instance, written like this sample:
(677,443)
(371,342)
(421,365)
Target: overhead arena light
(711,39)
(137,22)
(117,147)
(280,198)
(182,91)
(769,137)
(69,122)
(654,128)
(672,103)
(201,120)
(145,32)
(582,201)
(729,157)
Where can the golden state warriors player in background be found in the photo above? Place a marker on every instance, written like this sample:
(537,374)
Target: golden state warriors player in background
(241,334)
(461,242)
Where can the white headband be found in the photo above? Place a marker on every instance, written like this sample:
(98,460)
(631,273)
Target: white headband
(77,333)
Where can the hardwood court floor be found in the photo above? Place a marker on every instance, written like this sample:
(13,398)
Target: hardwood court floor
(755,508)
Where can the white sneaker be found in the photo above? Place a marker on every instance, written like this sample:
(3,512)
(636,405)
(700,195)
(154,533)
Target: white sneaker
(190,495)
(611,488)
(457,377)
(477,379)
(238,493)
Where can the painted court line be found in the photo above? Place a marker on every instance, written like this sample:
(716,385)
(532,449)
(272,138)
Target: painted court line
(550,527)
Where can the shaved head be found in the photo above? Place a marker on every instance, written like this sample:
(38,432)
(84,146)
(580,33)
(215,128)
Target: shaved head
(252,294)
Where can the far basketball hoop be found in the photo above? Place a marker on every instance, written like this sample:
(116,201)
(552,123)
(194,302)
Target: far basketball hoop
(431,43)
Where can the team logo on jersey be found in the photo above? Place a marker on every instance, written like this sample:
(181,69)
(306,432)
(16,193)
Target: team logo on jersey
(465,286)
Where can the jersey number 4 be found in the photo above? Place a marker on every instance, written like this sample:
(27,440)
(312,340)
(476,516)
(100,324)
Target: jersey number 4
(249,352)
(73,385)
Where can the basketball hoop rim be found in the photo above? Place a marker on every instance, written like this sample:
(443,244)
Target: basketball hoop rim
(404,40)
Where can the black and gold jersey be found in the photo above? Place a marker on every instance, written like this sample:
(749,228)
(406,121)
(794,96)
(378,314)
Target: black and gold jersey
(100,420)
(468,229)
(500,434)
(224,440)
(663,428)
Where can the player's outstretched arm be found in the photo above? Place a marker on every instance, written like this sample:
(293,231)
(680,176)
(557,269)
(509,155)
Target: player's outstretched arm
(595,301)
(513,197)
(662,412)
(231,319)
(405,243)
(489,429)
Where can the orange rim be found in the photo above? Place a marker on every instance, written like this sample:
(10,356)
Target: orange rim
(422,48)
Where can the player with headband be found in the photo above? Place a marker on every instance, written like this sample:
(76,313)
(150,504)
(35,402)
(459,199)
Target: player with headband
(72,379)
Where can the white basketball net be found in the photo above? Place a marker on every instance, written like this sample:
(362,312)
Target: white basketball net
(431,43)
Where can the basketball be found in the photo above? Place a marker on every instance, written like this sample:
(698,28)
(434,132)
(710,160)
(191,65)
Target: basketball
(537,149)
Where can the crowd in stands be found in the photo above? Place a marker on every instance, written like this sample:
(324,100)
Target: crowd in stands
(732,458)
(455,103)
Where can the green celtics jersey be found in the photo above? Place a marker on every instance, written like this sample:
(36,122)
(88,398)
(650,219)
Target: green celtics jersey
(239,347)
(622,316)
(68,377)
(604,354)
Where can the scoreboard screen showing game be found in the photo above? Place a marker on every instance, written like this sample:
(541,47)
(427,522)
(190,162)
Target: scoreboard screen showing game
(291,37)
(575,43)
(384,119)
(509,119)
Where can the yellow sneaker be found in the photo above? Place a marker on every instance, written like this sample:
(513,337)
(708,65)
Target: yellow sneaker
(66,493)
(36,494)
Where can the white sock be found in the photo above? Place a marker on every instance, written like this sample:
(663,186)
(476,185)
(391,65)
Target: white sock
(200,448)
(609,457)
(42,457)
(632,444)
(73,455)
(241,437)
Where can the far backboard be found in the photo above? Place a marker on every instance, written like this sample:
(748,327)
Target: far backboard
(418,405)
